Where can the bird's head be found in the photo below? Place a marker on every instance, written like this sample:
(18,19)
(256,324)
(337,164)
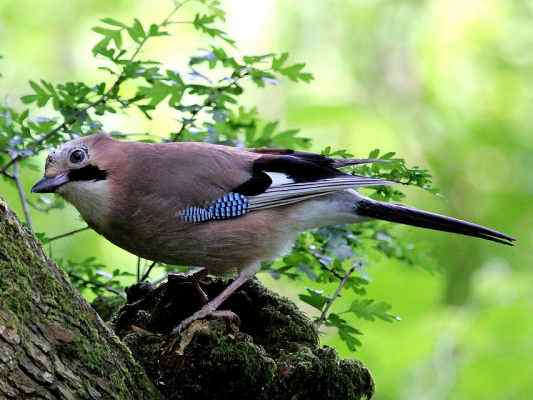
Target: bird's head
(72,164)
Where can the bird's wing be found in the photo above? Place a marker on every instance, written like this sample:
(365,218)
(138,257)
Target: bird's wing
(278,178)
(317,158)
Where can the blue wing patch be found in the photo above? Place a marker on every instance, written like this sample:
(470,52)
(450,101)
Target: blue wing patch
(231,205)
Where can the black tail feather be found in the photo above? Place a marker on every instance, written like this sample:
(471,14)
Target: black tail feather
(411,216)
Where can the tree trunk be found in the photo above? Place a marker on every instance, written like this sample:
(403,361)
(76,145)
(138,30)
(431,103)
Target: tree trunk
(53,345)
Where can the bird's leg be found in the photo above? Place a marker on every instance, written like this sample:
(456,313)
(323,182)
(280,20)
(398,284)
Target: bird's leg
(210,308)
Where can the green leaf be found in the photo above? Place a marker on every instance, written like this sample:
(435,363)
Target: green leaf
(369,310)
(102,48)
(155,31)
(114,34)
(114,22)
(42,96)
(29,98)
(159,91)
(295,73)
(136,31)
(202,24)
(374,153)
(23,115)
(347,333)
(314,298)
(278,62)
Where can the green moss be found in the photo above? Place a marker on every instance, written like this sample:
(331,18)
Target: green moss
(319,374)
(273,355)
(35,292)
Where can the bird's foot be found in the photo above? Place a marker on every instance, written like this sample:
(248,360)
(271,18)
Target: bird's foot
(205,312)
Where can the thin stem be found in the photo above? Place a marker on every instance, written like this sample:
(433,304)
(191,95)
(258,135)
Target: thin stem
(64,235)
(22,194)
(164,23)
(179,22)
(146,273)
(324,266)
(186,122)
(336,294)
(138,269)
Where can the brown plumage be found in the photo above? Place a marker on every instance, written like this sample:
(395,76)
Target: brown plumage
(139,197)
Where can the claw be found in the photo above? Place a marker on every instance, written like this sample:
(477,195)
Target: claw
(203,313)
(200,314)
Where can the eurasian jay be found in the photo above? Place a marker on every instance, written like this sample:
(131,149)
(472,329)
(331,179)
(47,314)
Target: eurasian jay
(215,206)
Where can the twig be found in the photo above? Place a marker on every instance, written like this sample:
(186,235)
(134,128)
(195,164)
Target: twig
(64,235)
(186,122)
(324,265)
(330,301)
(22,194)
(147,272)
(138,269)
(164,23)
(179,22)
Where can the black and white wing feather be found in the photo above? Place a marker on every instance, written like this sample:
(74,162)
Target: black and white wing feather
(280,178)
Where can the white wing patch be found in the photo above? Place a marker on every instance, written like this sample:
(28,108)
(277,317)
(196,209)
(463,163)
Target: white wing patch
(279,178)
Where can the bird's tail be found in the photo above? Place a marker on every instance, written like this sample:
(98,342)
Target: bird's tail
(411,216)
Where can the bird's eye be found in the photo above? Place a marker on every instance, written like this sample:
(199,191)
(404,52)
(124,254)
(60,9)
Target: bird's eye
(77,156)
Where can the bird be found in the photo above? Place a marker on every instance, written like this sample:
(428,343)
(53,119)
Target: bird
(219,207)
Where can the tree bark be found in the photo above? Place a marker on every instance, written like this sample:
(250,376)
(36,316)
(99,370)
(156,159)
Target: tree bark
(53,345)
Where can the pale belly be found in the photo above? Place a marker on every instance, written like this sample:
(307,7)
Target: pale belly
(219,246)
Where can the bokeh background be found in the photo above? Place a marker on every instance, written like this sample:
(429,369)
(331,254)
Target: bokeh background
(447,84)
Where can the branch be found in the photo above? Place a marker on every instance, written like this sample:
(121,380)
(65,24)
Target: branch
(147,272)
(22,194)
(336,294)
(324,265)
(64,235)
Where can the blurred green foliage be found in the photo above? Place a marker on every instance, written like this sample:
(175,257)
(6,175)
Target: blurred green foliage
(446,84)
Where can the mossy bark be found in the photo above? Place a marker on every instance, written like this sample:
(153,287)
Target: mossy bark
(53,345)
(271,353)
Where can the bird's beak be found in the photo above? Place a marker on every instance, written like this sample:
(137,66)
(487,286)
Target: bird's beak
(50,184)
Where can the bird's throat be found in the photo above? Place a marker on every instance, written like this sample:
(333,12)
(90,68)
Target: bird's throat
(91,198)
